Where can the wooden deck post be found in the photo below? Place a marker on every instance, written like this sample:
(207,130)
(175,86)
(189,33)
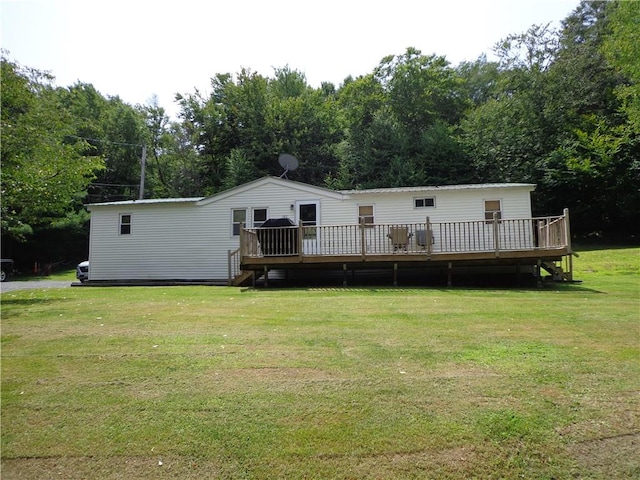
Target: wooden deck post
(547,242)
(344,274)
(567,234)
(363,243)
(243,250)
(567,230)
(428,238)
(449,275)
(300,242)
(395,274)
(496,233)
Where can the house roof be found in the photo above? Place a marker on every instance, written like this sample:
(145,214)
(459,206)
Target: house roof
(146,201)
(433,188)
(303,187)
(310,189)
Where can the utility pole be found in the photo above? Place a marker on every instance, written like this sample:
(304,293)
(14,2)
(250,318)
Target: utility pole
(143,167)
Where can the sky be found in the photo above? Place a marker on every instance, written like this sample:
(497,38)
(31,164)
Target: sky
(136,49)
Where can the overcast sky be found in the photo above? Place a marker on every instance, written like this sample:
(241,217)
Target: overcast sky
(138,48)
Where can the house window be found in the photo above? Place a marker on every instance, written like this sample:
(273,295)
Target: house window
(491,207)
(424,202)
(125,224)
(259,216)
(238,218)
(365,214)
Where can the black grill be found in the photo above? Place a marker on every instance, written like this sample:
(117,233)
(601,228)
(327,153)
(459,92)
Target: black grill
(277,236)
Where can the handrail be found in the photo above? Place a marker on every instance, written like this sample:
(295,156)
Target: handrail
(233,261)
(496,235)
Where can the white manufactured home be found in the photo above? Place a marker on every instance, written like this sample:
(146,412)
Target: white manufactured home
(224,238)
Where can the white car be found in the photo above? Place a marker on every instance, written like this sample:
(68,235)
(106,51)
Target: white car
(82,271)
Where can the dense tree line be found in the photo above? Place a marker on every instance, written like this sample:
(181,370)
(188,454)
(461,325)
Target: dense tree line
(557,108)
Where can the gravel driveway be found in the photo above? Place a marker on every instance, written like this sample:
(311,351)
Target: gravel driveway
(33,284)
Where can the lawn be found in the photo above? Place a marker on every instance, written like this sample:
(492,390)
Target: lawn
(344,383)
(61,274)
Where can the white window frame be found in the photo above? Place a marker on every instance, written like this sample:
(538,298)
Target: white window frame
(372,216)
(234,223)
(249,219)
(424,201)
(488,213)
(253,216)
(122,224)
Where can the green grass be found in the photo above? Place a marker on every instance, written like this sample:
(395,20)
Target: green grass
(62,274)
(378,383)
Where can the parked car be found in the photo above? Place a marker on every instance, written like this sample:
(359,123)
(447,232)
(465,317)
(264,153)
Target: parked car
(6,268)
(82,271)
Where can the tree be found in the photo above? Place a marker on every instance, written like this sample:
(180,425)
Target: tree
(173,168)
(621,50)
(555,120)
(304,122)
(124,135)
(505,139)
(368,127)
(510,135)
(596,156)
(399,121)
(112,130)
(231,117)
(242,127)
(421,89)
(480,80)
(45,172)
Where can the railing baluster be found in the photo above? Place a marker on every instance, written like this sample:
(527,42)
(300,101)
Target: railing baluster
(439,237)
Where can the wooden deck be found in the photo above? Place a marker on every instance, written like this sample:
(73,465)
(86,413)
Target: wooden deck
(535,242)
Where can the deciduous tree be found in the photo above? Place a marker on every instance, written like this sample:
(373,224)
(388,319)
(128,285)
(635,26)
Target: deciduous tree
(44,171)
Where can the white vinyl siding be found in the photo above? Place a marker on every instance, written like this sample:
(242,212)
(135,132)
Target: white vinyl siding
(190,240)
(168,242)
(453,205)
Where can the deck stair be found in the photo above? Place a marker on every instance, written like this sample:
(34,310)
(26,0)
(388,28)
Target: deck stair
(556,271)
(245,277)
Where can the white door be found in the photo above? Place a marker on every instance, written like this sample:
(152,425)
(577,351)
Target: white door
(308,215)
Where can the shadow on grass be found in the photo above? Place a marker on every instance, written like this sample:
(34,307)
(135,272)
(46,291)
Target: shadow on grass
(507,283)
(7,301)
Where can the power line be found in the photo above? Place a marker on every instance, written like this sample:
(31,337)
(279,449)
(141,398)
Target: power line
(106,141)
(92,184)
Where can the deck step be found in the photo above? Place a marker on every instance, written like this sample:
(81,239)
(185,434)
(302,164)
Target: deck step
(244,278)
(556,271)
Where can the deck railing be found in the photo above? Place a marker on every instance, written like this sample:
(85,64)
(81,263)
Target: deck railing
(426,238)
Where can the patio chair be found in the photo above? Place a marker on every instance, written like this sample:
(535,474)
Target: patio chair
(399,237)
(424,238)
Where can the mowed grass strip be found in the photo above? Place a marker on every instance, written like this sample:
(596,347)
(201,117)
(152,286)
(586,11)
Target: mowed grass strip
(207,382)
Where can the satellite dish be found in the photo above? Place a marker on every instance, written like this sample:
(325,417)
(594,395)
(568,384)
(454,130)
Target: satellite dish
(288,162)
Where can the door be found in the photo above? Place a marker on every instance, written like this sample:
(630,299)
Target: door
(308,216)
